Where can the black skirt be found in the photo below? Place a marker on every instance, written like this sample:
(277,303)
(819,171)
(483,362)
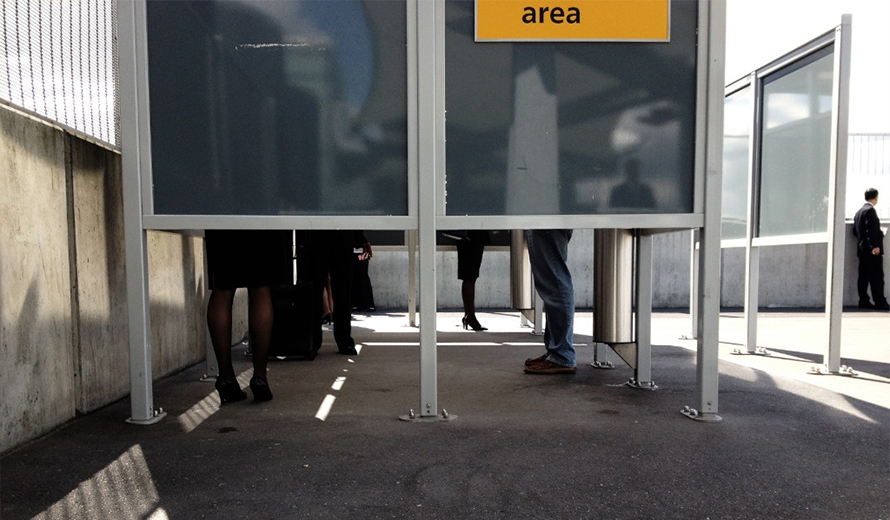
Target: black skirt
(248,258)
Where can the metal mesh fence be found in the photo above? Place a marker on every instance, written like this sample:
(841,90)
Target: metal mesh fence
(59,62)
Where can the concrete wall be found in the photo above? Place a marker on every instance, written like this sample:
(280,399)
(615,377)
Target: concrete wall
(791,276)
(63,306)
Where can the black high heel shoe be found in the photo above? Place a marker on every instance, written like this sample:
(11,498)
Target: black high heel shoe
(476,328)
(229,391)
(260,389)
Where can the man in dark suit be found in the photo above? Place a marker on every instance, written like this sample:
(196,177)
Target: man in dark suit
(870,249)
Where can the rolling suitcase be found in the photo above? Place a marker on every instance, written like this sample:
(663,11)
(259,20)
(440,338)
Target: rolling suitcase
(292,310)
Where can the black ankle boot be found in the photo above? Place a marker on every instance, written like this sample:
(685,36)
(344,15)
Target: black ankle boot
(229,390)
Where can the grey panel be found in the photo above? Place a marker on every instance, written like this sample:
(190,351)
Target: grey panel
(278,107)
(796,147)
(569,128)
(738,116)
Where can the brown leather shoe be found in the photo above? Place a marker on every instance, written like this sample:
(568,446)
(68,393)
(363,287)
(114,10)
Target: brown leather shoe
(548,368)
(534,361)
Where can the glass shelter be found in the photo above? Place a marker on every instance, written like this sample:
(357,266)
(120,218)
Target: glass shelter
(392,115)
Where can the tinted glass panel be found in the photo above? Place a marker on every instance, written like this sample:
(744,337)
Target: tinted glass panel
(738,116)
(797,110)
(278,107)
(569,128)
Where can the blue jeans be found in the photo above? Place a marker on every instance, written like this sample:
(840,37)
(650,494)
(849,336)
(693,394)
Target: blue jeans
(548,250)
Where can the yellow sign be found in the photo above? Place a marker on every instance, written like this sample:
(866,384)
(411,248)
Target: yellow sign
(573,20)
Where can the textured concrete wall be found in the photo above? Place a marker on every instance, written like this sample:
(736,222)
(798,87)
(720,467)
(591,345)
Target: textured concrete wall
(63,305)
(791,276)
(37,387)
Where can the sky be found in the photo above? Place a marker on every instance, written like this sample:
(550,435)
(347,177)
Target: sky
(759,31)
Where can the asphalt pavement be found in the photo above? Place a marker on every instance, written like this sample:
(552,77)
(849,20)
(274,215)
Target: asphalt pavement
(331,445)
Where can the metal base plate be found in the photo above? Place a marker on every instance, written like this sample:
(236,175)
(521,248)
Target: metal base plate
(413,417)
(158,416)
(759,351)
(641,385)
(822,370)
(694,414)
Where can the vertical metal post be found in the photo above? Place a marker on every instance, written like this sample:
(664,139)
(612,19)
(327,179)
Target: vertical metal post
(211,366)
(752,254)
(752,295)
(539,315)
(693,282)
(834,284)
(411,242)
(428,146)
(643,370)
(133,104)
(712,31)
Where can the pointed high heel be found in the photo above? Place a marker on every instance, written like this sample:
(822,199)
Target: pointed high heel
(476,328)
(229,391)
(260,388)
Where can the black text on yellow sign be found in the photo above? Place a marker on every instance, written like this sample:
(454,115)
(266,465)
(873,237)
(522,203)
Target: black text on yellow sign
(573,20)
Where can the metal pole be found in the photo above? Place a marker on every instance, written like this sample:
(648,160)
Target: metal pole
(712,31)
(693,282)
(133,98)
(428,133)
(752,254)
(211,366)
(643,370)
(834,284)
(752,295)
(411,241)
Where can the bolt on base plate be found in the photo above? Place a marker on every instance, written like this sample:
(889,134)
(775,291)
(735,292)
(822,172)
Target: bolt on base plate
(412,417)
(822,370)
(694,414)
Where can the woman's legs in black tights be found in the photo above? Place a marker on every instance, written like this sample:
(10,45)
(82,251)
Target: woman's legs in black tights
(468,294)
(259,316)
(219,321)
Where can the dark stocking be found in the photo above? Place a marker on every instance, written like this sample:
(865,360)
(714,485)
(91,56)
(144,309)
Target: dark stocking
(219,321)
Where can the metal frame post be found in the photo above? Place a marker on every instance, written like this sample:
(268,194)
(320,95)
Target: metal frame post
(411,243)
(643,370)
(428,145)
(707,368)
(834,283)
(752,253)
(134,96)
(693,283)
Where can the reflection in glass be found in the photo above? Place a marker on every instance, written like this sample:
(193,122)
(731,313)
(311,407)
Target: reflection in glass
(795,161)
(556,128)
(738,116)
(270,107)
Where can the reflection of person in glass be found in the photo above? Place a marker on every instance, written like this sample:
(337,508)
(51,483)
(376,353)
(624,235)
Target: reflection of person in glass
(870,249)
(632,193)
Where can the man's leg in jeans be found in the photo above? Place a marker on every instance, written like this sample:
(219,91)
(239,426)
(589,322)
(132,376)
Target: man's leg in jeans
(548,251)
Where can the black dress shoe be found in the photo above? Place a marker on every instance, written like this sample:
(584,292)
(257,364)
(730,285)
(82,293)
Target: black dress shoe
(883,306)
(260,389)
(348,351)
(229,390)
(866,305)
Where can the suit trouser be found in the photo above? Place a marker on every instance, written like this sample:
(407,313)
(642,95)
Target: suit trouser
(338,263)
(871,273)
